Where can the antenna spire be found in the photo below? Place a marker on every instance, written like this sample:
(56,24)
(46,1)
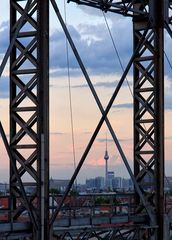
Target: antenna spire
(106,157)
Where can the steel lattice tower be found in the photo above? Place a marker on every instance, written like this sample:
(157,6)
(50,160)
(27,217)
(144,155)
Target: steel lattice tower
(29,110)
(149,20)
(149,109)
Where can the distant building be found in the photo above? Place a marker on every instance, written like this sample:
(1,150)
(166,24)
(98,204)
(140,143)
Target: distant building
(117,183)
(148,183)
(90,183)
(131,185)
(81,188)
(95,183)
(59,184)
(127,184)
(168,183)
(110,179)
(99,183)
(4,188)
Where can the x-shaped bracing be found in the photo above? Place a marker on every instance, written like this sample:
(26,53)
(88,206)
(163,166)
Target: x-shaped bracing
(102,120)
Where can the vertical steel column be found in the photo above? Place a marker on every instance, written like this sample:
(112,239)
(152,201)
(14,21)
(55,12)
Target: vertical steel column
(149,111)
(43,113)
(158,15)
(29,112)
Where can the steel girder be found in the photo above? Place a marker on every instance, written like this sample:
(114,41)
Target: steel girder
(149,112)
(148,97)
(124,7)
(116,232)
(29,112)
(103,118)
(29,95)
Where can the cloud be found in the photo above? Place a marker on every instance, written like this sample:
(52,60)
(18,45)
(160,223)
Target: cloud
(87,132)
(107,84)
(90,11)
(168,102)
(96,161)
(58,53)
(4,87)
(98,85)
(93,43)
(102,140)
(57,133)
(95,12)
(4,37)
(167,54)
(115,160)
(168,138)
(94,46)
(123,105)
(63,72)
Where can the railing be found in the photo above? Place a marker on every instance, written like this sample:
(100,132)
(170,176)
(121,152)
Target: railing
(4,209)
(85,205)
(6,212)
(168,203)
(107,204)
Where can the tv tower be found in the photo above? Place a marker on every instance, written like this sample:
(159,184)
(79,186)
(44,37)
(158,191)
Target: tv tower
(106,157)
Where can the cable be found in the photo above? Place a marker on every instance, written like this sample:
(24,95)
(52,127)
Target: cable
(167,58)
(165,54)
(117,53)
(119,59)
(70,96)
(114,45)
(116,50)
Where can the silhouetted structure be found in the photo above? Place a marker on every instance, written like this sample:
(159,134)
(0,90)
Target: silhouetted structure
(29,119)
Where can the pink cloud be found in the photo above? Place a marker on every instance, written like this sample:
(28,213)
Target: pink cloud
(96,162)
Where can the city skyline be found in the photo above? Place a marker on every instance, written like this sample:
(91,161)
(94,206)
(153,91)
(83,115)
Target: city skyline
(105,71)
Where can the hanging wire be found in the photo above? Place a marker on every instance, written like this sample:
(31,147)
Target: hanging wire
(70,96)
(167,58)
(165,54)
(118,56)
(117,53)
(116,50)
(119,59)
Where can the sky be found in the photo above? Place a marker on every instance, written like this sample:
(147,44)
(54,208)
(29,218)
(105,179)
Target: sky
(90,35)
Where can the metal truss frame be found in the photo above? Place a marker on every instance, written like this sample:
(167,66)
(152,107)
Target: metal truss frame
(104,118)
(118,233)
(29,112)
(148,102)
(149,112)
(124,7)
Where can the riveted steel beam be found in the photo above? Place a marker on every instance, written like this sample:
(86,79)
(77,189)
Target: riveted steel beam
(149,112)
(29,95)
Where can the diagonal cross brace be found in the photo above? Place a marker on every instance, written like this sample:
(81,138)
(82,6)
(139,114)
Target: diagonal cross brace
(104,118)
(122,7)
(168,28)
(27,204)
(8,52)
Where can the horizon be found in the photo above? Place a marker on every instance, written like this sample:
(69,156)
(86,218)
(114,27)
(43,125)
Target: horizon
(90,35)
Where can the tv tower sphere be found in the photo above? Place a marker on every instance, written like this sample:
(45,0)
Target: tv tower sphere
(106,157)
